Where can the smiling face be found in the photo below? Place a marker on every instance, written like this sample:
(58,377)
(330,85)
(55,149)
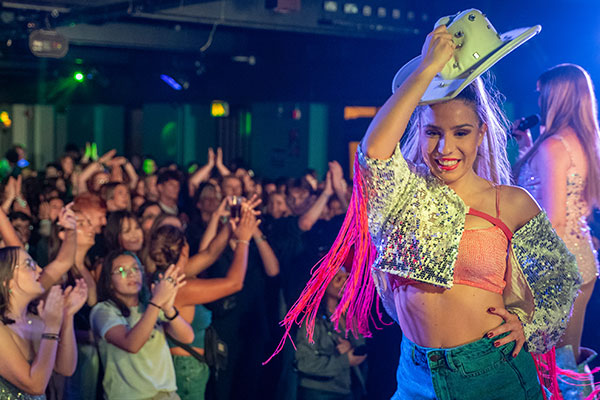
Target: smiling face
(131,236)
(26,276)
(450,135)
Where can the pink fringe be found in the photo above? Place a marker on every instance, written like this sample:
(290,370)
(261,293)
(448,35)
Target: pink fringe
(359,289)
(549,374)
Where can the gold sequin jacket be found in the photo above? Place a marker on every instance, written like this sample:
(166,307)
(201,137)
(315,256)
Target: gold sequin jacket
(416,223)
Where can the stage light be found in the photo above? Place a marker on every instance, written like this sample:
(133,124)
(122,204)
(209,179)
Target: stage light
(171,82)
(79,76)
(350,8)
(5,119)
(219,108)
(330,6)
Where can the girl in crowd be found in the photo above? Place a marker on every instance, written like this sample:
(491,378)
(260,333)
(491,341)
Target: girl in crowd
(123,231)
(445,225)
(36,343)
(166,244)
(131,329)
(562,171)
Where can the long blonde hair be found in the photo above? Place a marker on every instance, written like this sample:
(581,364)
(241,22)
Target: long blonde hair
(491,162)
(567,101)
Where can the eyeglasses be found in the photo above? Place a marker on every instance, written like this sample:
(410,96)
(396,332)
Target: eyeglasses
(125,272)
(29,264)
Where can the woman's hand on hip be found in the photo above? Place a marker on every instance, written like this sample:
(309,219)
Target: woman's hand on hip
(511,324)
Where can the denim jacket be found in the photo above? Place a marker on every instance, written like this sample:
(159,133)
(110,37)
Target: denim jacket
(416,223)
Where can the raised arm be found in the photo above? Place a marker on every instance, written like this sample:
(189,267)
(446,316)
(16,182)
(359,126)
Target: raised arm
(311,216)
(66,254)
(388,126)
(66,357)
(202,174)
(132,340)
(8,232)
(199,291)
(133,176)
(223,170)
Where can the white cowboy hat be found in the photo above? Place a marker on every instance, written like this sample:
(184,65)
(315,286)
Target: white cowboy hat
(478,47)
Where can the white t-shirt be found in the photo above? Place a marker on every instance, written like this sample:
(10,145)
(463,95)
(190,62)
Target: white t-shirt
(129,376)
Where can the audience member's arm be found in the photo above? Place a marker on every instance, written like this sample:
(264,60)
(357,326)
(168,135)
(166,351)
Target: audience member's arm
(267,255)
(199,291)
(34,378)
(202,174)
(66,254)
(133,176)
(205,258)
(338,183)
(213,224)
(66,356)
(310,217)
(132,340)
(8,232)
(223,170)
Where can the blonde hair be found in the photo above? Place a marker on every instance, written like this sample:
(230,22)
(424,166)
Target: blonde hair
(491,162)
(567,101)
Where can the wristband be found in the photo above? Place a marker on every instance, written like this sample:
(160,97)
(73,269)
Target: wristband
(154,304)
(242,241)
(51,336)
(174,316)
(260,239)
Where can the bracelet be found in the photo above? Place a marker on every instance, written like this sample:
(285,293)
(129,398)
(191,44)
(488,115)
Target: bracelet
(174,316)
(242,241)
(154,304)
(21,201)
(51,336)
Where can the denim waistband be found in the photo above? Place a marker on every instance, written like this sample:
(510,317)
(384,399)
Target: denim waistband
(453,357)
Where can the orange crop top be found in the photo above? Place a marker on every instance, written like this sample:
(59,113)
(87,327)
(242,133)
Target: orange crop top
(482,255)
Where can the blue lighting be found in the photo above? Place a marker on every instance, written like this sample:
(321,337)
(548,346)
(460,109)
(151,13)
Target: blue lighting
(171,82)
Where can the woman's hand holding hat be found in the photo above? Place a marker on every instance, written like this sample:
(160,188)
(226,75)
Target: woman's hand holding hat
(437,50)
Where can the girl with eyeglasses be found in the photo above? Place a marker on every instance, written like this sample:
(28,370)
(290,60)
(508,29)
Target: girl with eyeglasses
(130,325)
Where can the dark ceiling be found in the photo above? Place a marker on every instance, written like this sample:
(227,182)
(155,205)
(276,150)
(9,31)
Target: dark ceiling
(247,50)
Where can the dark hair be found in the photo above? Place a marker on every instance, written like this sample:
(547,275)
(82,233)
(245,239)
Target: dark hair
(144,206)
(9,256)
(168,175)
(165,245)
(113,227)
(201,188)
(12,156)
(19,215)
(105,289)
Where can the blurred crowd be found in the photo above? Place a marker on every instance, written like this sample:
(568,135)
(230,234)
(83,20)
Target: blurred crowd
(175,280)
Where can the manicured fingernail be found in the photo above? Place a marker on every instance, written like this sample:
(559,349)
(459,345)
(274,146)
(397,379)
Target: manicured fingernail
(514,356)
(490,335)
(496,344)
(491,309)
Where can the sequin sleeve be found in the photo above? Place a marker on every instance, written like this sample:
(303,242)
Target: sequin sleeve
(551,273)
(386,182)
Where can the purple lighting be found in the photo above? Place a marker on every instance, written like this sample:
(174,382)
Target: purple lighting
(171,82)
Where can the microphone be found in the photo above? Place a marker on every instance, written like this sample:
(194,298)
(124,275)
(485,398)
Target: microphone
(529,122)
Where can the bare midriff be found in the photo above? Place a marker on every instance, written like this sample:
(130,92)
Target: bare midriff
(442,318)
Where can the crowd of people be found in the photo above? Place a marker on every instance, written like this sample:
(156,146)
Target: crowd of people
(151,267)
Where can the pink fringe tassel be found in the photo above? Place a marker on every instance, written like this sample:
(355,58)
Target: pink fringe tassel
(359,289)
(549,374)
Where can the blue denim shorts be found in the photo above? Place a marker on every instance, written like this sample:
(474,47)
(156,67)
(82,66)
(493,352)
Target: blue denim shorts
(474,371)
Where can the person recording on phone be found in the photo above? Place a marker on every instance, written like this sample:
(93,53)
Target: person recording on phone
(561,169)
(324,368)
